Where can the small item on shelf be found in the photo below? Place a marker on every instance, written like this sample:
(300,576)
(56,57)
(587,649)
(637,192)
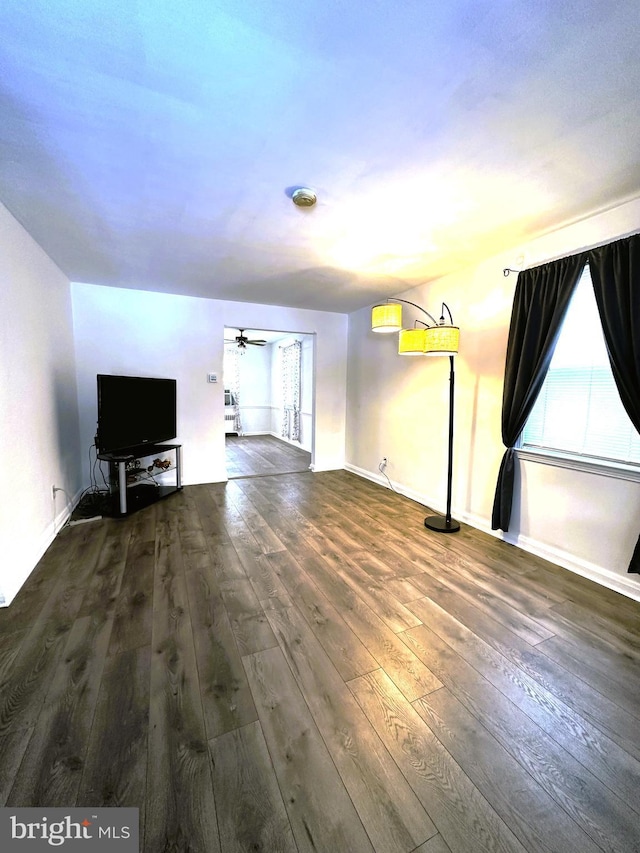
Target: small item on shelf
(133,479)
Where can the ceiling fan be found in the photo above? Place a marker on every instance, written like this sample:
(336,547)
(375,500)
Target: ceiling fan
(242,341)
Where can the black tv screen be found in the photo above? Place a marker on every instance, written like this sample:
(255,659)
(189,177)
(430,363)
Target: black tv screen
(134,410)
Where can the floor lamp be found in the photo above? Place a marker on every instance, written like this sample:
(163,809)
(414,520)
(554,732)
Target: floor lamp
(436,338)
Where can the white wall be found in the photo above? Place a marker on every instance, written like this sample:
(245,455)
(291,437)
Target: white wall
(154,334)
(38,404)
(398,408)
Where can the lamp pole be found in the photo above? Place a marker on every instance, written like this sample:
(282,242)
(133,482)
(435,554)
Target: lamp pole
(437,522)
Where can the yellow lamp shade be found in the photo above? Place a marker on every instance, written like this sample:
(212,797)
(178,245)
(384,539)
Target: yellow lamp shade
(386,318)
(412,341)
(442,340)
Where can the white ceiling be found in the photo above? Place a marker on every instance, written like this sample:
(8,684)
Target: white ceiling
(155,144)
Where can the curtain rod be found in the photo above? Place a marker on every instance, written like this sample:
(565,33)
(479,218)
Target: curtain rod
(588,248)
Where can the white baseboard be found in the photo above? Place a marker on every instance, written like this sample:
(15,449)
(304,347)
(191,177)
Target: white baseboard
(28,558)
(627,585)
(381,480)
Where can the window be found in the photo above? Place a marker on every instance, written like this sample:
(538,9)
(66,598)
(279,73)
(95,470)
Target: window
(579,413)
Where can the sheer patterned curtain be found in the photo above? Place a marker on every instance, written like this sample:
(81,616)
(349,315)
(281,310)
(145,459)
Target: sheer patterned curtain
(291,362)
(232,383)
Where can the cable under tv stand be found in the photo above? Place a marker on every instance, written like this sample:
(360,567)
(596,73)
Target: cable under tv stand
(134,485)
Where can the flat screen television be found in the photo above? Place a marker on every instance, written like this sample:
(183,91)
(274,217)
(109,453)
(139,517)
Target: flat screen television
(133,411)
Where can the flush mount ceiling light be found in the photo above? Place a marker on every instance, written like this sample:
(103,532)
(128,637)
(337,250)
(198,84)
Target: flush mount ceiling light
(304,197)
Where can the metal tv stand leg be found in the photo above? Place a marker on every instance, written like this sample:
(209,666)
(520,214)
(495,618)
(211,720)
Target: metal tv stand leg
(122,486)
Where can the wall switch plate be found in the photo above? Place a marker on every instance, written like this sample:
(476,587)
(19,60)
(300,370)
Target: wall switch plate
(212,377)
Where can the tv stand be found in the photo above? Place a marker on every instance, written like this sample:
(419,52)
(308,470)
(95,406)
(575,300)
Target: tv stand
(138,475)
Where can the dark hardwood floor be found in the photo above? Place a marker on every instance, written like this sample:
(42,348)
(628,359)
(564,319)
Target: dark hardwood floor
(258,455)
(294,663)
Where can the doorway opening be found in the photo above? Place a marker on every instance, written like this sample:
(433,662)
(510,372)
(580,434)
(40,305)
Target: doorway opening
(268,382)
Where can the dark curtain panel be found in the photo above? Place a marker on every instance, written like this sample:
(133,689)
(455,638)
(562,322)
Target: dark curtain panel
(539,305)
(615,273)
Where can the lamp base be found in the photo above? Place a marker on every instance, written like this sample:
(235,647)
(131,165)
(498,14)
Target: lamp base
(440,523)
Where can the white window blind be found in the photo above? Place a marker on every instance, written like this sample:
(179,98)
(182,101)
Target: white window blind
(579,410)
